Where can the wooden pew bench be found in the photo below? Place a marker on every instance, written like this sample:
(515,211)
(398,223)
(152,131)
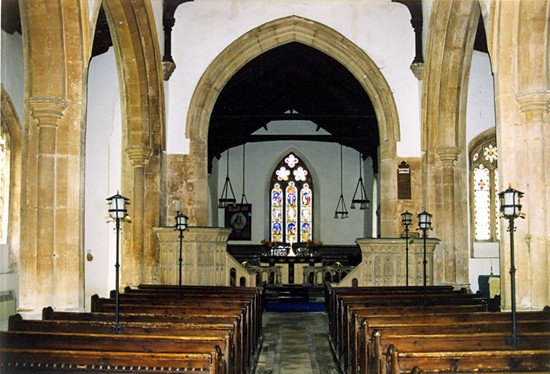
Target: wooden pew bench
(33,361)
(246,357)
(429,323)
(241,313)
(369,351)
(333,294)
(24,348)
(452,343)
(490,361)
(222,331)
(347,331)
(344,305)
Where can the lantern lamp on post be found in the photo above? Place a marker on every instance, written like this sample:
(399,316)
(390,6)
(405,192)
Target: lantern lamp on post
(117,212)
(510,208)
(181,226)
(406,220)
(425,223)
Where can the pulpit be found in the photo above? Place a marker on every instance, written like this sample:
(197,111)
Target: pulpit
(384,263)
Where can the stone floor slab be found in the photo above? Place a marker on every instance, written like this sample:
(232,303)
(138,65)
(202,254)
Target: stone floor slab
(296,343)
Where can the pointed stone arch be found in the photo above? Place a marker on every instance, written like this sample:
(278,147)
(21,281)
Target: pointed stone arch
(137,53)
(448,59)
(254,43)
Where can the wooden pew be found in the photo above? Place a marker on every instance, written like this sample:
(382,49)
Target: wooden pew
(347,303)
(255,295)
(490,361)
(453,343)
(349,324)
(333,294)
(32,361)
(370,350)
(222,331)
(240,311)
(41,351)
(124,318)
(344,298)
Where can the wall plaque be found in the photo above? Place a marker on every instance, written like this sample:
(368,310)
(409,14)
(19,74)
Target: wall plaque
(403,181)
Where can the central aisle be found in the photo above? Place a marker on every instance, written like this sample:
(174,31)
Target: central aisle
(296,343)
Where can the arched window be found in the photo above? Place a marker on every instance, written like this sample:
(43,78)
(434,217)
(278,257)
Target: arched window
(291,201)
(4,182)
(484,182)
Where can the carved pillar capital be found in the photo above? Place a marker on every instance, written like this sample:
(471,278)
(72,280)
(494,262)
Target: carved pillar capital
(47,110)
(139,154)
(448,155)
(534,103)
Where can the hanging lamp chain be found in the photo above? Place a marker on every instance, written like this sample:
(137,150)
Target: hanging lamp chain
(341,210)
(244,200)
(362,200)
(225,200)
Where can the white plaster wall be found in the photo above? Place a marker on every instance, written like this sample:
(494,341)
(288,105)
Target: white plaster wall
(323,161)
(480,116)
(12,79)
(13,73)
(103,173)
(480,113)
(204,28)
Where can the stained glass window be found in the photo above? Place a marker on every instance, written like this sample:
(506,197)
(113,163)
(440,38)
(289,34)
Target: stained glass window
(484,168)
(291,201)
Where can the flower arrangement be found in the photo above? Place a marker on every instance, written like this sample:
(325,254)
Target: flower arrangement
(312,244)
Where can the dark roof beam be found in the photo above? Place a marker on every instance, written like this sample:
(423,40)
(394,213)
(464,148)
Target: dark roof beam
(292,117)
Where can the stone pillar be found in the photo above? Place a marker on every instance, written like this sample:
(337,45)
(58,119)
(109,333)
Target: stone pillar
(135,260)
(533,246)
(445,216)
(389,216)
(519,53)
(40,252)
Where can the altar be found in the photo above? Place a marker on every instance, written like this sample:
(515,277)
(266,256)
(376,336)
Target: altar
(291,267)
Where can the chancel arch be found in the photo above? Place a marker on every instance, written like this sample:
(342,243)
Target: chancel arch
(256,42)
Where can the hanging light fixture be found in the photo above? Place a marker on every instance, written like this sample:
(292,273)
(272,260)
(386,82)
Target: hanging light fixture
(362,199)
(341,210)
(244,200)
(226,200)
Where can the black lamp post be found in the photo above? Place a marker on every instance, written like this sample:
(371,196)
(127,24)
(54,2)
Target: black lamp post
(181,226)
(406,220)
(510,208)
(424,223)
(117,211)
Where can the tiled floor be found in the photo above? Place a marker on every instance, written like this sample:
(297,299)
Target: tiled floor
(296,343)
